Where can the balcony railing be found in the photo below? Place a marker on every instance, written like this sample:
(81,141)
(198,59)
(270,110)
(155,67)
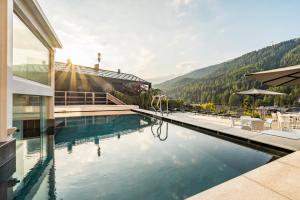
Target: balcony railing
(64,98)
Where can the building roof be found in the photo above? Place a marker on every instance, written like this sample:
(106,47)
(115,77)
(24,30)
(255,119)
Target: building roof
(59,66)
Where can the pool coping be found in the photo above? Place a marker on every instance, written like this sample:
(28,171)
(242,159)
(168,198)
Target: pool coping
(277,180)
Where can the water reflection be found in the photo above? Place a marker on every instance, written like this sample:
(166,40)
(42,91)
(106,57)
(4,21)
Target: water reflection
(156,129)
(77,130)
(97,141)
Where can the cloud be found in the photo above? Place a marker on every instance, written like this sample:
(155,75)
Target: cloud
(222,30)
(179,3)
(180,8)
(188,65)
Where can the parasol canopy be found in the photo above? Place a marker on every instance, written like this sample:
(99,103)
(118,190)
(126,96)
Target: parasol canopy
(256,92)
(279,77)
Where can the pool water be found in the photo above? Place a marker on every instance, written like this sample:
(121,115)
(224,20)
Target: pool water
(131,157)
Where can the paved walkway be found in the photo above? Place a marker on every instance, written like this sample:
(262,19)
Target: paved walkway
(97,113)
(278,180)
(92,108)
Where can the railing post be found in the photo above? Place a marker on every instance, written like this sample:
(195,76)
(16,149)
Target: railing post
(167,106)
(93,97)
(84,98)
(106,97)
(65,98)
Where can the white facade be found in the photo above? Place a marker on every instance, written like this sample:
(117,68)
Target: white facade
(30,13)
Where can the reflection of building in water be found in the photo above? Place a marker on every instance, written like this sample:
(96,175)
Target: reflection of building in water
(33,148)
(97,143)
(99,151)
(77,130)
(34,170)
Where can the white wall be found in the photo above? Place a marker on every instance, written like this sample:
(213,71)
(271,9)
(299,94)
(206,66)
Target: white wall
(23,86)
(6,14)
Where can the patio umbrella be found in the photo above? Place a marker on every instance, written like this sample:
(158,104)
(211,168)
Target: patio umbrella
(256,92)
(279,77)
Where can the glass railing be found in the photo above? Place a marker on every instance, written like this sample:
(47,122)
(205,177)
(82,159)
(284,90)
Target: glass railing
(33,72)
(31,58)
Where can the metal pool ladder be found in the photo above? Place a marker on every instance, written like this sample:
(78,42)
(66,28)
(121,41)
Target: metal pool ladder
(159,99)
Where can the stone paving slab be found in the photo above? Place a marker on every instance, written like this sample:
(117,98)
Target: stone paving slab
(239,132)
(239,188)
(92,108)
(279,177)
(291,159)
(99,113)
(285,143)
(215,127)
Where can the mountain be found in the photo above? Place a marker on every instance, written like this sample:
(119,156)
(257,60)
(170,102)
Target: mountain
(160,79)
(186,78)
(218,83)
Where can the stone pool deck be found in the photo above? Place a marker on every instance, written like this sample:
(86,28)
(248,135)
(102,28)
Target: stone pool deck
(97,113)
(278,180)
(92,108)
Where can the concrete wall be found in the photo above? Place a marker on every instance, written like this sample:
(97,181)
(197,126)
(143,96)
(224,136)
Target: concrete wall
(6,11)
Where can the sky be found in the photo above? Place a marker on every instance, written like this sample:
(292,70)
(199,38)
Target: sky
(159,39)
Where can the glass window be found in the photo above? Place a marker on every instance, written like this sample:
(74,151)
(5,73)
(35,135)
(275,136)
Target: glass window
(33,136)
(30,56)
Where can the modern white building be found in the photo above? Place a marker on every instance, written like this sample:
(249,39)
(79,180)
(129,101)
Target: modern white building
(27,51)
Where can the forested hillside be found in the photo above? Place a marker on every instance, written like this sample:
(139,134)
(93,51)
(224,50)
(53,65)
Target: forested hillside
(219,83)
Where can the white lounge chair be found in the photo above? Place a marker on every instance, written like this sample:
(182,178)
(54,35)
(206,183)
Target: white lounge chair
(269,123)
(284,122)
(257,125)
(234,124)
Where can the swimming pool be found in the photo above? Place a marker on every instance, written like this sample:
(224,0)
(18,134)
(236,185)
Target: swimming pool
(137,157)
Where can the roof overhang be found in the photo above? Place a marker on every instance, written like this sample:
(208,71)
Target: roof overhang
(31,13)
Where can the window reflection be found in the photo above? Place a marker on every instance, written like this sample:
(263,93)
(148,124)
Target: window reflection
(30,56)
(33,149)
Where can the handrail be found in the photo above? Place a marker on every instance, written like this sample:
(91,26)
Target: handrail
(158,104)
(114,99)
(78,91)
